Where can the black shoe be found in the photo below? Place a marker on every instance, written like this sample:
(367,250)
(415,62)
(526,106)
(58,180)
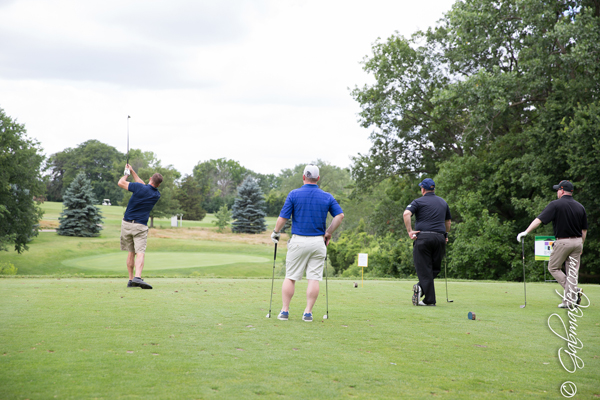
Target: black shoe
(139,282)
(130,284)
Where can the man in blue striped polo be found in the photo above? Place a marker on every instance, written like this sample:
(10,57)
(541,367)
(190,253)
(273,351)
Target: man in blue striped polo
(308,207)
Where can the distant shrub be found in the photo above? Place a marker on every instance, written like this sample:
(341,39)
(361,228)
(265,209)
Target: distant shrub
(7,268)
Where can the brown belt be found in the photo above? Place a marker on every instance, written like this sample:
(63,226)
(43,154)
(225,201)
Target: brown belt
(574,237)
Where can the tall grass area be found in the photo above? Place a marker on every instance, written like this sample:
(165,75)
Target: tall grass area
(203,338)
(195,249)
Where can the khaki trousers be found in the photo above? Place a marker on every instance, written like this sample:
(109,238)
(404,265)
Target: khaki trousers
(567,252)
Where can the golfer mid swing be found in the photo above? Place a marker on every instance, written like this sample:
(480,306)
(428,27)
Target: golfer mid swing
(134,229)
(308,207)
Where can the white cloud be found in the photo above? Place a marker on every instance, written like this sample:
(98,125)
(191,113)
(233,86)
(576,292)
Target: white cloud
(262,82)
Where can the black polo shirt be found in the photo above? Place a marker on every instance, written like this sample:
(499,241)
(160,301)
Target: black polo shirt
(431,212)
(567,215)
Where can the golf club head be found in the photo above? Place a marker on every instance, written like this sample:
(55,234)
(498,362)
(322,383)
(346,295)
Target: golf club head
(325,316)
(450,301)
(268,315)
(523,306)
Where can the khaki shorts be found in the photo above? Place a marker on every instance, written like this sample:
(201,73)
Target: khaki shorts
(133,237)
(305,253)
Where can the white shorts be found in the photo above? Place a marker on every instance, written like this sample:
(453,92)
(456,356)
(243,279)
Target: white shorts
(305,253)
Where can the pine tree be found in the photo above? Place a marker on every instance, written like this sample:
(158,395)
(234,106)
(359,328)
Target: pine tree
(223,216)
(249,208)
(80,217)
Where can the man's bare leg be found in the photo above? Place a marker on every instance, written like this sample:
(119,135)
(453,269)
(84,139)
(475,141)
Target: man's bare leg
(139,264)
(287,292)
(312,292)
(130,264)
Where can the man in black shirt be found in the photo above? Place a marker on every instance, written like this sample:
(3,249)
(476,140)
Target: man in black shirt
(569,221)
(432,225)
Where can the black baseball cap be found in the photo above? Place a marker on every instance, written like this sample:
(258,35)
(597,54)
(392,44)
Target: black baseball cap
(564,185)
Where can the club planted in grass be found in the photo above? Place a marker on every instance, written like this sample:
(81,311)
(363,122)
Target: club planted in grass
(446,276)
(272,280)
(326,316)
(524,284)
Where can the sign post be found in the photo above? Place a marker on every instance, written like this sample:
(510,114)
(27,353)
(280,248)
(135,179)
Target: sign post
(543,248)
(363,262)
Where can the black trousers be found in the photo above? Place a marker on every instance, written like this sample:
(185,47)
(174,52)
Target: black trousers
(428,251)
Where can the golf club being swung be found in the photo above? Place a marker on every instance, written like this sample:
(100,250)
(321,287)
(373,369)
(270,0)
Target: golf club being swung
(272,280)
(524,284)
(127,172)
(446,276)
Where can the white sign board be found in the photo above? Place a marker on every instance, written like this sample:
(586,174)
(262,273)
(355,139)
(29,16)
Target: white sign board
(363,260)
(543,247)
(174,221)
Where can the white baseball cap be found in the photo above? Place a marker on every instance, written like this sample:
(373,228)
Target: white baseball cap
(311,171)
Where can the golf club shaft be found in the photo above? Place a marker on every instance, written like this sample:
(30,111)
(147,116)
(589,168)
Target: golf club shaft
(326,287)
(524,283)
(446,276)
(128,139)
(273,279)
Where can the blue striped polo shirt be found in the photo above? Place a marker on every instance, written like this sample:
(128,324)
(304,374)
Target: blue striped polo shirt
(308,206)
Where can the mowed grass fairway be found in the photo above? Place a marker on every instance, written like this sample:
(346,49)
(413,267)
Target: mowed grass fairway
(208,338)
(68,334)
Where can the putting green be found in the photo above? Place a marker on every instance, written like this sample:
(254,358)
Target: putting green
(162,260)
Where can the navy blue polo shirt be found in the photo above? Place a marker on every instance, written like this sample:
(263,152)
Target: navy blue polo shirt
(308,206)
(567,215)
(430,212)
(142,201)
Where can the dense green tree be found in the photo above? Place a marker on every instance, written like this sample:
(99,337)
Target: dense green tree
(189,196)
(274,202)
(248,210)
(101,163)
(334,180)
(219,180)
(497,103)
(20,183)
(80,217)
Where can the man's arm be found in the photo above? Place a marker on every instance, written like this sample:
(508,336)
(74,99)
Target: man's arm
(448,222)
(123,182)
(280,224)
(335,223)
(135,176)
(534,224)
(408,223)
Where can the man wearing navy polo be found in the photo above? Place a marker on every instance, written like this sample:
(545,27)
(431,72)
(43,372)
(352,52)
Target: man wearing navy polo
(432,225)
(308,207)
(569,221)
(134,228)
